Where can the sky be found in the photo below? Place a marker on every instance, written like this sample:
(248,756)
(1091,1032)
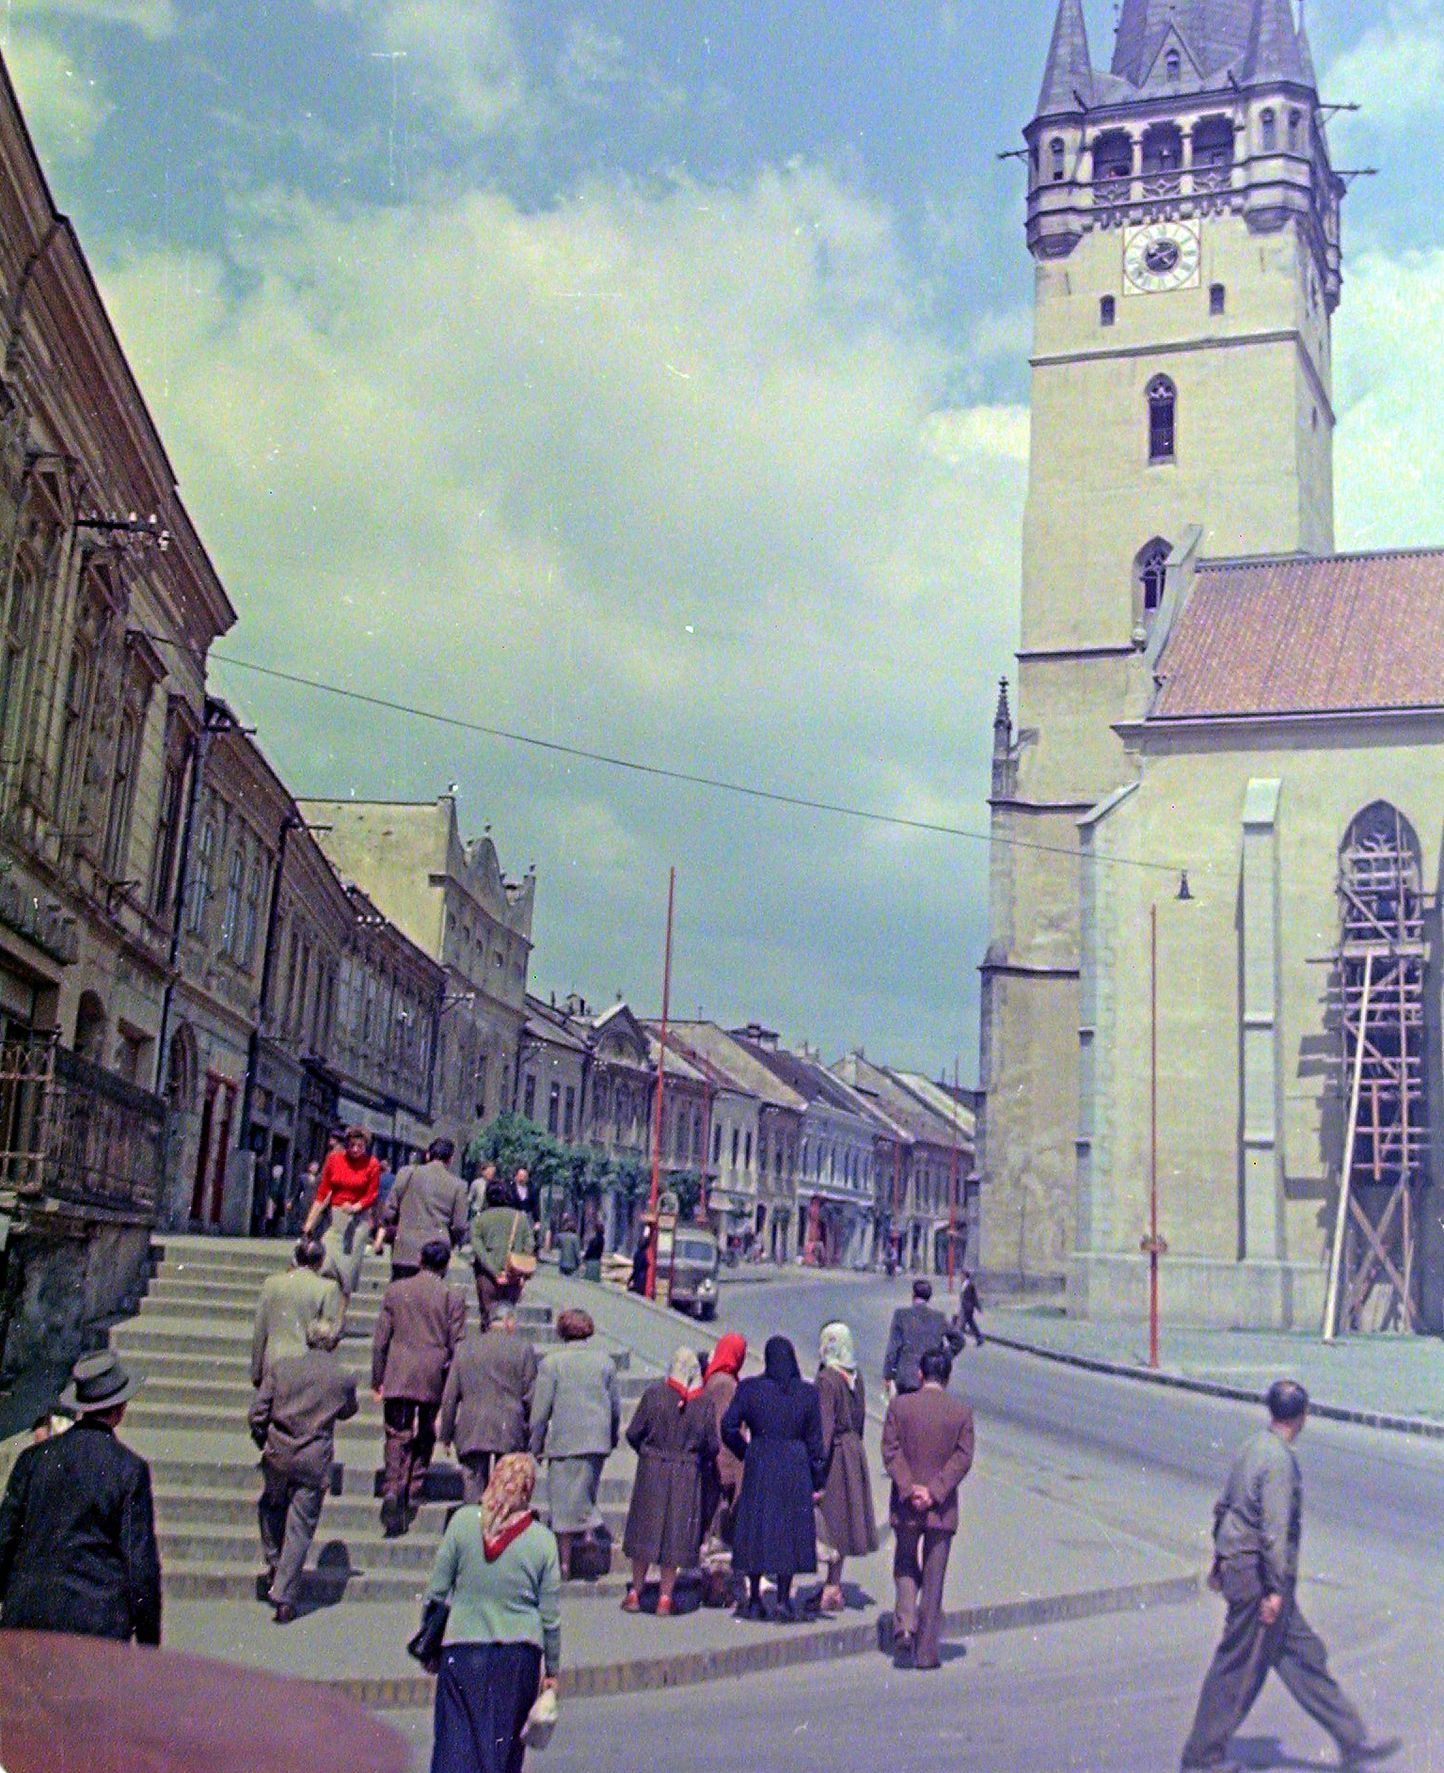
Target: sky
(652,379)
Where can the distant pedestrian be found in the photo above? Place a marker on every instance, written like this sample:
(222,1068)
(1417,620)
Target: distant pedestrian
(642,1263)
(503,1251)
(289,1303)
(927,1451)
(78,1549)
(723,1480)
(428,1201)
(418,1331)
(348,1188)
(483,1180)
(293,1421)
(486,1406)
(846,1521)
(674,1436)
(774,1425)
(969,1307)
(524,1196)
(915,1330)
(595,1250)
(1258,1524)
(576,1423)
(569,1248)
(498,1573)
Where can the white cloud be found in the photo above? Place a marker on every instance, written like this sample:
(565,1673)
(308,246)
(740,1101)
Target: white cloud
(64,107)
(1395,69)
(152,18)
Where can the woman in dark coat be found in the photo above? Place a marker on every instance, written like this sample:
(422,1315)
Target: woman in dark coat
(774,1425)
(641,1263)
(674,1436)
(846,1522)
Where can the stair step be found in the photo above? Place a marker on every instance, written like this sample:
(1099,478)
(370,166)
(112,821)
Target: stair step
(323,1584)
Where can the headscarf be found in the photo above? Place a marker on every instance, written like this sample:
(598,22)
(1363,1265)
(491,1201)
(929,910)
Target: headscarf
(728,1355)
(838,1351)
(506,1505)
(685,1376)
(779,1360)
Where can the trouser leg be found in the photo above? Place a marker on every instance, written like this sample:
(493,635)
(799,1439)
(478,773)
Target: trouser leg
(423,1445)
(486,1294)
(1303,1667)
(302,1518)
(907,1578)
(271,1517)
(935,1549)
(475,1475)
(399,1416)
(1235,1677)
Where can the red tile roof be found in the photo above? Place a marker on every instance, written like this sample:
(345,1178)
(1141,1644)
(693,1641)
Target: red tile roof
(1291,636)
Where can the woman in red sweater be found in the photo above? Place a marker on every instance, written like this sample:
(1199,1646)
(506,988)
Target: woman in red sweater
(349,1185)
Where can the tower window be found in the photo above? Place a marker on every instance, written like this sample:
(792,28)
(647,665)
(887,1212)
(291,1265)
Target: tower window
(1217,299)
(1162,419)
(1269,129)
(1113,155)
(1173,65)
(1058,149)
(1295,126)
(1151,572)
(1213,144)
(1162,149)
(1108,310)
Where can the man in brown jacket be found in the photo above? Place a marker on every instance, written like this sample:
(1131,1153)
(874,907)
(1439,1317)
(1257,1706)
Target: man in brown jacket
(486,1407)
(418,1331)
(927,1450)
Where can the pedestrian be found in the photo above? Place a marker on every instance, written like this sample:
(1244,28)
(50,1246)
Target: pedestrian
(1258,1524)
(78,1550)
(503,1249)
(498,1572)
(722,1481)
(483,1180)
(486,1406)
(289,1303)
(293,1421)
(596,1249)
(846,1522)
(523,1196)
(915,1329)
(348,1188)
(969,1307)
(674,1435)
(576,1423)
(428,1200)
(774,1425)
(927,1451)
(642,1263)
(418,1330)
(569,1247)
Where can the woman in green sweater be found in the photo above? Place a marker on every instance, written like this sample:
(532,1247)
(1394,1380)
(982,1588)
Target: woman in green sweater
(499,1572)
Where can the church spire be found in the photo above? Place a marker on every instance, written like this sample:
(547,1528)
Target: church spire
(1274,51)
(1068,79)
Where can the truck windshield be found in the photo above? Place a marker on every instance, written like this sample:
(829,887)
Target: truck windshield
(696,1250)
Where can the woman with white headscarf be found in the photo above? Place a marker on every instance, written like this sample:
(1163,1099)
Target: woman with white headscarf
(674,1435)
(846,1522)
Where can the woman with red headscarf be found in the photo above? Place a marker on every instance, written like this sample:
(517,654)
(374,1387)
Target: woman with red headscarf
(675,1439)
(723,1479)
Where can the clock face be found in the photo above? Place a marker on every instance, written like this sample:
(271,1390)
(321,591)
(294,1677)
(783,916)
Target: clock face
(1161,257)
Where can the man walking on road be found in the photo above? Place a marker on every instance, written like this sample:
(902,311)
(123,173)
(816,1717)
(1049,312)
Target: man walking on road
(916,1329)
(429,1200)
(293,1421)
(290,1303)
(486,1407)
(927,1451)
(418,1330)
(1257,1527)
(77,1527)
(969,1307)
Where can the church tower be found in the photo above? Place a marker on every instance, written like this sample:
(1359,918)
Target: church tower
(1183,218)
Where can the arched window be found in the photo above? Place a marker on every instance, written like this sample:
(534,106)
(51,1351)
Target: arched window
(1150,572)
(1058,150)
(1162,149)
(1173,66)
(1213,143)
(90,1028)
(1162,420)
(1296,123)
(1269,131)
(1113,155)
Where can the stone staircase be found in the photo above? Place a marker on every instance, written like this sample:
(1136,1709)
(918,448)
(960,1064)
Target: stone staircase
(191,1341)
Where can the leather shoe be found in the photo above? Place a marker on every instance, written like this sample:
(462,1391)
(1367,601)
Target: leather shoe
(285,1613)
(1369,1754)
(263,1584)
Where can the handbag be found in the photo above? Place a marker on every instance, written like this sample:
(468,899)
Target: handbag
(426,1645)
(541,1720)
(519,1267)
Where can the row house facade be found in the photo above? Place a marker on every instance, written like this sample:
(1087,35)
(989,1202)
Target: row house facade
(108,607)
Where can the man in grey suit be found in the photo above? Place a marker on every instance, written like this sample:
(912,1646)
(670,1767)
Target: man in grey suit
(418,1331)
(916,1329)
(293,1421)
(290,1303)
(486,1407)
(428,1200)
(1258,1524)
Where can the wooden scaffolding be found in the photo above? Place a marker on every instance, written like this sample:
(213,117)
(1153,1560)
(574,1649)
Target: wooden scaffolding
(1380,975)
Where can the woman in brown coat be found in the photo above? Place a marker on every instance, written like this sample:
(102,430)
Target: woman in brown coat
(722,1480)
(674,1435)
(846,1523)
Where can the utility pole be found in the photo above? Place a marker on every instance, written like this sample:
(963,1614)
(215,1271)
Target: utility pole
(654,1204)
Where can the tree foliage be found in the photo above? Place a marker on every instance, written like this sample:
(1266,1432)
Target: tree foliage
(570,1172)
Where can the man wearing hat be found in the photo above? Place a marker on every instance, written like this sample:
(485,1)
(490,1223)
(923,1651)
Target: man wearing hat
(418,1330)
(77,1526)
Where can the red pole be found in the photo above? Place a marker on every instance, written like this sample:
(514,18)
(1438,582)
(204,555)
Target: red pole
(653,1204)
(1153,1140)
(953,1186)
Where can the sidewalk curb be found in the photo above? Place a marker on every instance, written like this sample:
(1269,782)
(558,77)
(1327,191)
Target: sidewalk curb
(1420,1427)
(795,1649)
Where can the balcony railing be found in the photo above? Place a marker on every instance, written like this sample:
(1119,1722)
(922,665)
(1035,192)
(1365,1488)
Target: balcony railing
(1117,190)
(74,1134)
